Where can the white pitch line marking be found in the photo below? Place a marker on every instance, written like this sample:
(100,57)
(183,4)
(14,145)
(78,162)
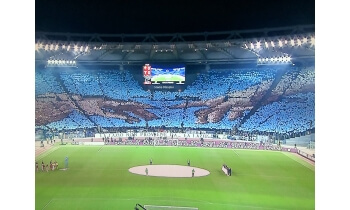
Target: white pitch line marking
(47,204)
(235,152)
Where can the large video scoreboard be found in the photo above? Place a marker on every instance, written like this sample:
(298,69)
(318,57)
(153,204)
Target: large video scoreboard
(161,74)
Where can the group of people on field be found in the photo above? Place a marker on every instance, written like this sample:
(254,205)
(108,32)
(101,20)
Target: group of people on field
(52,166)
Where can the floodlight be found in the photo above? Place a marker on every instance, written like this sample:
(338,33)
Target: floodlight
(292,42)
(266,45)
(299,42)
(36,46)
(68,48)
(304,40)
(280,43)
(258,45)
(280,59)
(63,46)
(51,47)
(251,45)
(288,59)
(81,49)
(312,41)
(259,59)
(272,44)
(75,48)
(86,48)
(56,47)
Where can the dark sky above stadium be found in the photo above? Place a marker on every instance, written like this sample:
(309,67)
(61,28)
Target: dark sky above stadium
(168,16)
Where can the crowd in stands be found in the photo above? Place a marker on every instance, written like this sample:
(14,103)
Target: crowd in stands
(288,111)
(45,82)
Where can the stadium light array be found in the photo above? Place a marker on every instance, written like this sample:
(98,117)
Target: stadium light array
(61,63)
(280,42)
(274,60)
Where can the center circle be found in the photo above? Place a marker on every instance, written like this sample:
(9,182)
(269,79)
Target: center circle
(169,171)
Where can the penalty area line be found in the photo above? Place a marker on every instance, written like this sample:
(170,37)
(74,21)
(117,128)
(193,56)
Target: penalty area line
(235,152)
(100,149)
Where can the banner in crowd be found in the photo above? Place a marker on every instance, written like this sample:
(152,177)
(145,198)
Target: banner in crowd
(209,144)
(156,135)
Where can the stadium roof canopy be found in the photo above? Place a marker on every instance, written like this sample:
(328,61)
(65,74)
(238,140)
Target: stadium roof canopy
(239,46)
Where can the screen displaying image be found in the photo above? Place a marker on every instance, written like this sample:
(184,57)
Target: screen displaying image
(164,74)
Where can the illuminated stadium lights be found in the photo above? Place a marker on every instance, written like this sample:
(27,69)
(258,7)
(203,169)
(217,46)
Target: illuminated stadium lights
(274,60)
(292,42)
(266,44)
(285,41)
(251,46)
(75,48)
(56,47)
(258,45)
(81,48)
(68,48)
(298,42)
(312,41)
(46,47)
(63,46)
(86,48)
(272,44)
(280,44)
(36,46)
(61,63)
(304,40)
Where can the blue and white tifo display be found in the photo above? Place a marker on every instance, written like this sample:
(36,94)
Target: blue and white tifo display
(163,75)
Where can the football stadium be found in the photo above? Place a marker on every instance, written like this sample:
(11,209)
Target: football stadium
(196,120)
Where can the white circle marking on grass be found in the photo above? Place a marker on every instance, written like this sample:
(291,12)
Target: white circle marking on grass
(169,171)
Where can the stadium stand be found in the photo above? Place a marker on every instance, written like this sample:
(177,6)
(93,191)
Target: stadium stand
(259,100)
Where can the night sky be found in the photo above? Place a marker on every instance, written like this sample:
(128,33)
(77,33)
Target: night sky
(168,16)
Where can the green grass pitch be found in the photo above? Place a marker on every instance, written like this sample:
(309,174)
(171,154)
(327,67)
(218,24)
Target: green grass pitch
(98,178)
